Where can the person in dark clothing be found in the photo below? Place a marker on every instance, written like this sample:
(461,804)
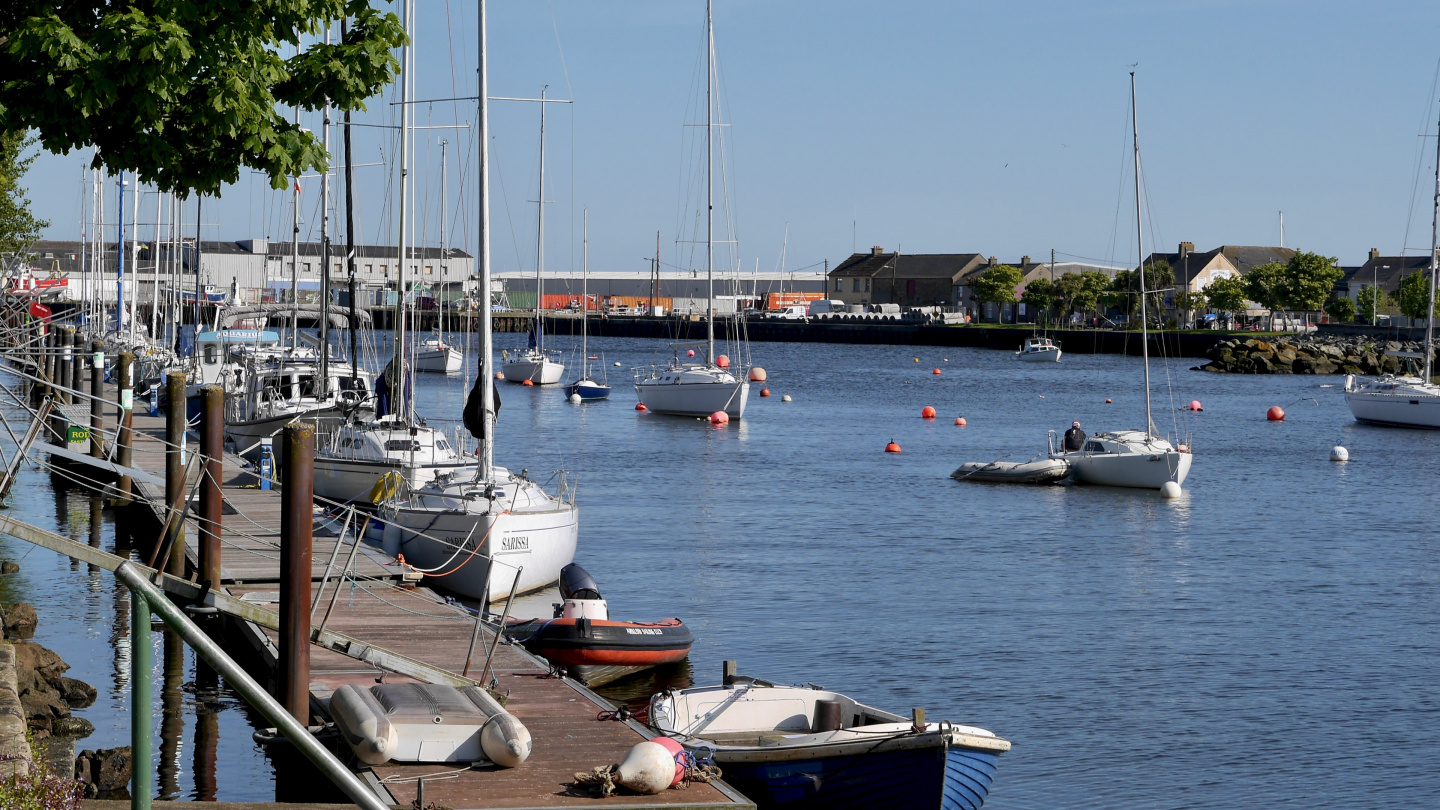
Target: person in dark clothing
(1074,438)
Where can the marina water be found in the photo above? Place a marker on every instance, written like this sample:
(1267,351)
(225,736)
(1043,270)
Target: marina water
(1269,639)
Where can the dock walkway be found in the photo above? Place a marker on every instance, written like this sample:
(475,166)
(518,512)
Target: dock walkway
(420,625)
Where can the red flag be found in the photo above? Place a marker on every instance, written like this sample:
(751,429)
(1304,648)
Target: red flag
(297,186)
(39,310)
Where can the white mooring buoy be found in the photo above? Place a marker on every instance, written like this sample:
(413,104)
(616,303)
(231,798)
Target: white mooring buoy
(574,399)
(1338,453)
(1170,489)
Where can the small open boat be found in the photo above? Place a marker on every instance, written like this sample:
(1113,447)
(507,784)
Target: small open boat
(1036,471)
(792,746)
(590,647)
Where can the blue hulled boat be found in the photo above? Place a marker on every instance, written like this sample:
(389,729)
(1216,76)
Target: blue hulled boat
(801,747)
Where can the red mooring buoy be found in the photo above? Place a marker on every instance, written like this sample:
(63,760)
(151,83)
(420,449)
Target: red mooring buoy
(892,447)
(936,371)
(528,383)
(1275,414)
(960,421)
(719,418)
(1194,405)
(640,406)
(927,412)
(764,392)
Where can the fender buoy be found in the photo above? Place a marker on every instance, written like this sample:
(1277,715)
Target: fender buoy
(892,447)
(927,412)
(499,375)
(648,768)
(757,374)
(1275,414)
(528,383)
(640,406)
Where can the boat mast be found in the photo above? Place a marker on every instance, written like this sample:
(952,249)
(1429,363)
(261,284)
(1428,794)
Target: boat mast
(585,295)
(294,254)
(709,190)
(155,270)
(397,376)
(487,362)
(325,245)
(120,259)
(1140,242)
(1434,244)
(350,240)
(443,251)
(540,240)
(134,255)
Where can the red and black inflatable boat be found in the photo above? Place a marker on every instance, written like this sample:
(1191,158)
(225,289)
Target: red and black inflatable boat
(591,648)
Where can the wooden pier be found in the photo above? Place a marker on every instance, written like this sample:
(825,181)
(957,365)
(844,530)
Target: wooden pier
(375,628)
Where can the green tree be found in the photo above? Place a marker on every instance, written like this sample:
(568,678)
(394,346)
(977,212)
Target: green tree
(1267,285)
(1342,309)
(1228,294)
(997,284)
(1309,280)
(1371,300)
(1040,295)
(18,225)
(186,92)
(1414,293)
(1190,303)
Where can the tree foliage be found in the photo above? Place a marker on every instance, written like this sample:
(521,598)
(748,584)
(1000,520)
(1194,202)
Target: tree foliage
(1309,280)
(1265,285)
(1342,309)
(1414,293)
(997,284)
(1227,294)
(1371,300)
(18,225)
(185,92)
(1189,302)
(1040,295)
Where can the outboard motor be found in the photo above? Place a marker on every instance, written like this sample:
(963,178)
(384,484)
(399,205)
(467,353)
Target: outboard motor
(581,595)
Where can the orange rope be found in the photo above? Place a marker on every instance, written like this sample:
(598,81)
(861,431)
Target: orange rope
(473,555)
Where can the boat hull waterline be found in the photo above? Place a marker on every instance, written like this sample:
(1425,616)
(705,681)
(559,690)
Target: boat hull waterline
(695,399)
(540,543)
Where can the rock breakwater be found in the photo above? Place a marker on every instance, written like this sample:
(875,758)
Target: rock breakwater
(1313,355)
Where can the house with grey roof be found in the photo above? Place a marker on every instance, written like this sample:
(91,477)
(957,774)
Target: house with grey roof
(910,280)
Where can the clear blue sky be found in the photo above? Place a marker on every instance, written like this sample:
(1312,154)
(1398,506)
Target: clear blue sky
(999,128)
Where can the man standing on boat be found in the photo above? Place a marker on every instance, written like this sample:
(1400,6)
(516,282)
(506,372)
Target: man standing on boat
(1074,438)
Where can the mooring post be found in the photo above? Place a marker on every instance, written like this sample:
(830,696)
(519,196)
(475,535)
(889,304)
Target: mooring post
(77,363)
(175,469)
(728,671)
(212,447)
(97,397)
(141,771)
(124,434)
(297,518)
(62,373)
(47,354)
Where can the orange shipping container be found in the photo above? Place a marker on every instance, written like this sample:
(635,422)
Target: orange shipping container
(774,301)
(635,303)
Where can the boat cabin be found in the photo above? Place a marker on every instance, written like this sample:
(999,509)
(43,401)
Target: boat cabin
(217,350)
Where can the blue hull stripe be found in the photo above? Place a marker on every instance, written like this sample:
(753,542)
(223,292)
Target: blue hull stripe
(953,779)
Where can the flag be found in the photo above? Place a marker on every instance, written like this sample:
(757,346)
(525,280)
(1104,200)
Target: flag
(297,186)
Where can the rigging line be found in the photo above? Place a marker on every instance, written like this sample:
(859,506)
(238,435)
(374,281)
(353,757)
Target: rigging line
(1421,153)
(505,199)
(1120,190)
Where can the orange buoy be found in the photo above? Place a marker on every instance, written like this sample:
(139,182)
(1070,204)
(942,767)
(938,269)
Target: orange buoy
(690,353)
(757,374)
(1194,405)
(1275,414)
(1107,401)
(764,392)
(960,421)
(723,361)
(936,371)
(640,406)
(719,418)
(927,412)
(499,375)
(916,360)
(892,447)
(528,383)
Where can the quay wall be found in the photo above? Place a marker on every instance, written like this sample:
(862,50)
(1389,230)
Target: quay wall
(1082,341)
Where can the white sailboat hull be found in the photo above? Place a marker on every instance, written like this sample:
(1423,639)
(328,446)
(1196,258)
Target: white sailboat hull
(1045,356)
(1410,408)
(248,433)
(1139,470)
(442,360)
(696,391)
(538,370)
(538,544)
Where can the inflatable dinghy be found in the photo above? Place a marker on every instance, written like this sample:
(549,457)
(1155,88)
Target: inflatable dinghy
(419,722)
(1040,471)
(591,648)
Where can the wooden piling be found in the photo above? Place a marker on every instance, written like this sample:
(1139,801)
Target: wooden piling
(212,447)
(297,518)
(175,470)
(77,364)
(97,398)
(124,437)
(67,351)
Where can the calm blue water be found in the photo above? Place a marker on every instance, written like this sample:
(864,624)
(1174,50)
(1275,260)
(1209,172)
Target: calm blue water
(1270,639)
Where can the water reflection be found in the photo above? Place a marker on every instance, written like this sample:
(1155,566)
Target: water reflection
(172,716)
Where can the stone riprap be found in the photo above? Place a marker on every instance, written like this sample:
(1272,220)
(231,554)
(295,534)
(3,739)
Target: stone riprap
(1311,355)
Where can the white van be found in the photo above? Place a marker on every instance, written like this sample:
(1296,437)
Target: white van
(826,306)
(794,312)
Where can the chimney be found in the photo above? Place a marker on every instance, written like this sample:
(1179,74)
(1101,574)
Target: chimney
(1024,261)
(993,262)
(876,250)
(1374,254)
(1186,248)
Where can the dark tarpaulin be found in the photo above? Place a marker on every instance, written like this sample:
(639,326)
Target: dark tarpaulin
(383,385)
(473,414)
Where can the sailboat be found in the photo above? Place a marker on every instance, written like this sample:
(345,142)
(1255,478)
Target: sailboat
(704,385)
(534,364)
(361,451)
(435,353)
(498,532)
(1402,401)
(1131,458)
(586,388)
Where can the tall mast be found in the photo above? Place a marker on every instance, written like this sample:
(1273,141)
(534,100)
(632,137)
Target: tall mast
(1140,241)
(199,253)
(487,362)
(585,294)
(120,259)
(443,251)
(350,240)
(709,190)
(325,245)
(397,374)
(1434,244)
(540,240)
(294,251)
(155,271)
(134,253)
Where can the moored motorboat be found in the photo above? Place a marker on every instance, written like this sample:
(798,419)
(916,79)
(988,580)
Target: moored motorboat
(790,746)
(1035,471)
(1039,350)
(590,647)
